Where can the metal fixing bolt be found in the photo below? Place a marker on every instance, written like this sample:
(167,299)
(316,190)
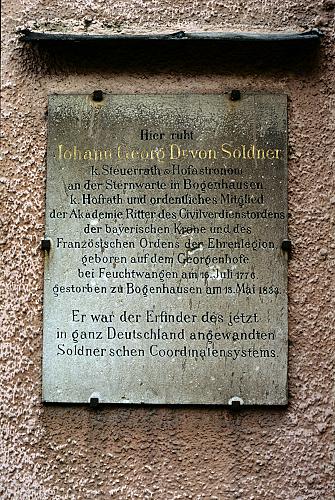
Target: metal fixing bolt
(46,245)
(94,402)
(235,95)
(235,402)
(286,246)
(97,95)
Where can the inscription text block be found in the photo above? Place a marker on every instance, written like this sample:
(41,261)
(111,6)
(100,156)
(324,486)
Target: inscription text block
(166,281)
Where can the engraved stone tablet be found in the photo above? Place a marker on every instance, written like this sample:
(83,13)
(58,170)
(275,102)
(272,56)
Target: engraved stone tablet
(166,281)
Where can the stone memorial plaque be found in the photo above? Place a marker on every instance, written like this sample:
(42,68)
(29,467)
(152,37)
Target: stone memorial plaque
(166,281)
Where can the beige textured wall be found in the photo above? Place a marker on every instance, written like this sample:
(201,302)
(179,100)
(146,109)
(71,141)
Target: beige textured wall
(70,452)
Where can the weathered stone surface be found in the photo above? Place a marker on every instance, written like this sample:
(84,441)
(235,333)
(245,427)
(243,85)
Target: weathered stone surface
(166,280)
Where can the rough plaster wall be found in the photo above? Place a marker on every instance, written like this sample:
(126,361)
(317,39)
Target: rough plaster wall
(163,452)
